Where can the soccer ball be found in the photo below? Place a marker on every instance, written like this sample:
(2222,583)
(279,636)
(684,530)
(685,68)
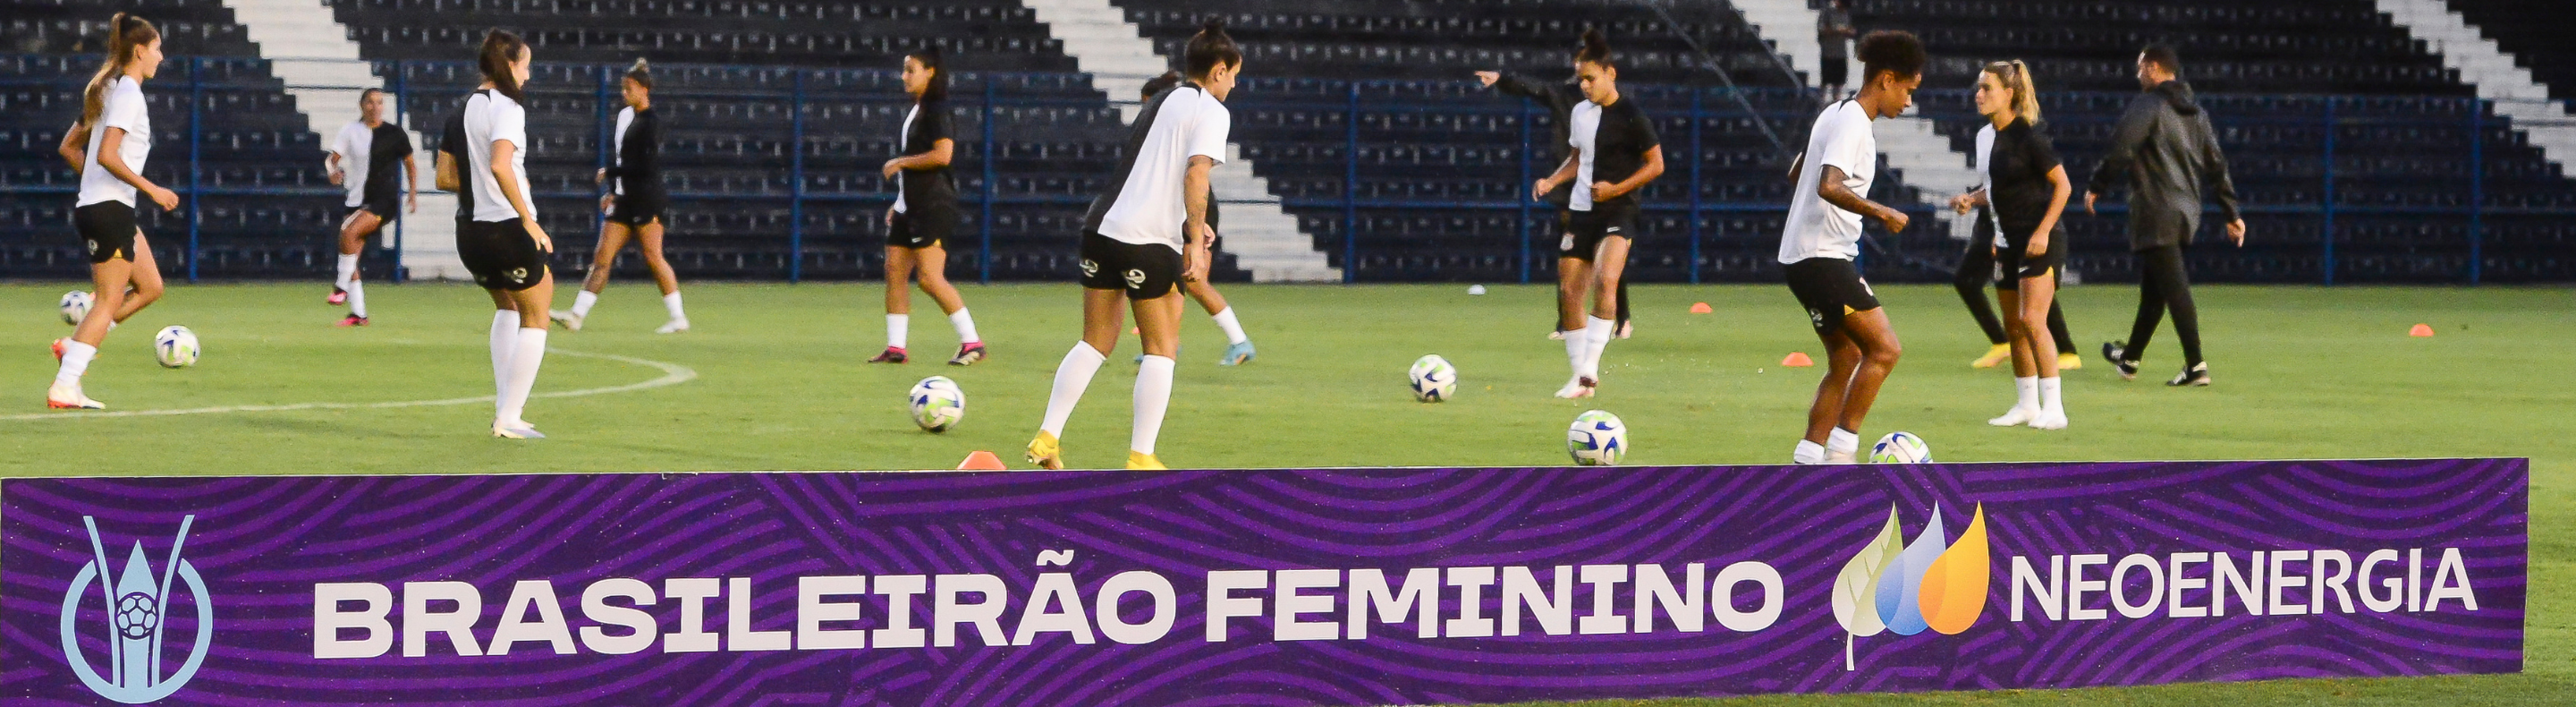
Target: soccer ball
(1598,438)
(175,347)
(75,307)
(1900,448)
(1434,380)
(937,403)
(137,616)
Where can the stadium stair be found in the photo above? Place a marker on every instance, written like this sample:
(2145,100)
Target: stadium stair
(1913,146)
(2495,73)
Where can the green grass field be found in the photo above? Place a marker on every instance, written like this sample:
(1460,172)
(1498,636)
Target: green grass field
(780,383)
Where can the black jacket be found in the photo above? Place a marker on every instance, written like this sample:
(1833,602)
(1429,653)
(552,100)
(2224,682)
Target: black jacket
(1560,98)
(2167,151)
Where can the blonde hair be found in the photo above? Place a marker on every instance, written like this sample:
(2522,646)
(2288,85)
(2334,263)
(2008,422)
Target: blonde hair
(125,35)
(2015,77)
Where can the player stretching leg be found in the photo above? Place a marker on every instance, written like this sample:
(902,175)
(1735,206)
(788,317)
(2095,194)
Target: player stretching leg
(1823,236)
(1148,233)
(1238,347)
(116,125)
(1614,154)
(373,160)
(503,246)
(635,204)
(924,214)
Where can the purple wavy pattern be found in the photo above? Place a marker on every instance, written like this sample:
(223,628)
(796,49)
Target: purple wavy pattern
(262,542)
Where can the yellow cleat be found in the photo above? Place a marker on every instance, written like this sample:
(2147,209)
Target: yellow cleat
(2069,362)
(1140,461)
(1994,357)
(1045,452)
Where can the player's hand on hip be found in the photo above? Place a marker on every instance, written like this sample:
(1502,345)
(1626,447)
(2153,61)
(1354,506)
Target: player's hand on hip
(168,200)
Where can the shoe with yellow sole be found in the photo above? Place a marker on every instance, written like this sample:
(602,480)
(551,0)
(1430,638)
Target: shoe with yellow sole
(1045,452)
(1994,357)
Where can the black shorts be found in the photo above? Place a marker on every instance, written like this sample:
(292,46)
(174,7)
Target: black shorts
(107,229)
(1830,288)
(1144,271)
(1834,69)
(1585,229)
(500,254)
(2014,264)
(637,210)
(921,227)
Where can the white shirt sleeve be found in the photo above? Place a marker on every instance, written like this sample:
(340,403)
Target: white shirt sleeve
(1847,145)
(125,109)
(1208,132)
(511,124)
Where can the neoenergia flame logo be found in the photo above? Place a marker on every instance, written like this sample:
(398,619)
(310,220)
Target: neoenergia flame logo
(1903,589)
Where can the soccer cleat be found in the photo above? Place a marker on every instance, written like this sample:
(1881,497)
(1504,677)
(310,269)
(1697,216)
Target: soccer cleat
(2049,421)
(1046,452)
(338,296)
(2197,375)
(1580,387)
(1627,328)
(1833,457)
(569,321)
(1556,335)
(2118,355)
(58,349)
(2015,417)
(2069,361)
(1140,461)
(1236,355)
(519,430)
(893,354)
(672,327)
(1994,357)
(968,353)
(68,396)
(352,320)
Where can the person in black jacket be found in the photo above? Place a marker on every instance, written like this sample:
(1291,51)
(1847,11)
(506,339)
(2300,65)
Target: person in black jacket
(2167,151)
(1560,99)
(635,203)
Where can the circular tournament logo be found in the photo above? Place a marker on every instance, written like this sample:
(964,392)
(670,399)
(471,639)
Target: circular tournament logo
(136,604)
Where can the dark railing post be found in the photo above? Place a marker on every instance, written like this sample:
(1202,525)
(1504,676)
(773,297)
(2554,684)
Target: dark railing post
(1522,196)
(796,184)
(985,154)
(1351,186)
(2327,262)
(402,119)
(196,129)
(1695,116)
(2477,188)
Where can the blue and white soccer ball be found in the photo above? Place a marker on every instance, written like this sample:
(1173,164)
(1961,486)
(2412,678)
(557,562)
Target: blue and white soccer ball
(1900,448)
(75,306)
(1598,438)
(937,403)
(175,347)
(1434,380)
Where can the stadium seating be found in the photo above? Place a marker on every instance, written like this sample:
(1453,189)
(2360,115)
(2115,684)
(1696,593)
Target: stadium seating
(2535,32)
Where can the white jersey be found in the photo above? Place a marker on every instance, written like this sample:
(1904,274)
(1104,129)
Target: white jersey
(908,116)
(1983,158)
(1583,134)
(1816,229)
(491,117)
(1146,206)
(353,145)
(617,153)
(125,108)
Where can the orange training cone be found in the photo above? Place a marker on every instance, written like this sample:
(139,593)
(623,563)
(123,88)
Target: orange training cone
(982,461)
(1701,308)
(1797,359)
(2421,330)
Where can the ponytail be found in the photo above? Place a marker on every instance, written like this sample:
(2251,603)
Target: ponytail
(2015,77)
(937,89)
(126,34)
(1596,51)
(1210,48)
(500,47)
(641,74)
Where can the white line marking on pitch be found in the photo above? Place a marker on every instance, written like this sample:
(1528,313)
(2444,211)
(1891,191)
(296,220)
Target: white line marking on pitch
(672,374)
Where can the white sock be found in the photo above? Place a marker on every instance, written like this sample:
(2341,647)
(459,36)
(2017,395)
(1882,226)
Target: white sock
(1577,343)
(505,340)
(898,330)
(1808,453)
(1843,442)
(1153,397)
(965,324)
(671,303)
(527,356)
(347,269)
(2049,399)
(2029,390)
(1233,329)
(1071,378)
(76,358)
(1596,338)
(357,297)
(582,302)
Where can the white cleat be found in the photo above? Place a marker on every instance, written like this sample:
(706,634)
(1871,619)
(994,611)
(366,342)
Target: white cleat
(1580,387)
(67,396)
(520,430)
(2049,421)
(1842,457)
(570,321)
(2015,417)
(673,327)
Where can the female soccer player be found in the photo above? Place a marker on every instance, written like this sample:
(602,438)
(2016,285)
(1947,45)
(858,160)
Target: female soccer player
(504,246)
(1977,271)
(1560,98)
(924,214)
(1822,236)
(117,130)
(1238,346)
(1615,153)
(2027,189)
(1146,234)
(364,160)
(634,205)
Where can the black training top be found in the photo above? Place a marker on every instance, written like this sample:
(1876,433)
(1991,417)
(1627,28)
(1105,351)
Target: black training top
(638,170)
(1559,97)
(935,187)
(451,140)
(1619,146)
(385,153)
(2019,166)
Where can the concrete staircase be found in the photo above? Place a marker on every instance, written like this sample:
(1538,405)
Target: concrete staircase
(1912,144)
(1262,236)
(309,49)
(2544,123)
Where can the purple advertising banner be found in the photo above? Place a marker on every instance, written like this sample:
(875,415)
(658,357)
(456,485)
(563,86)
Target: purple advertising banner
(1265,587)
